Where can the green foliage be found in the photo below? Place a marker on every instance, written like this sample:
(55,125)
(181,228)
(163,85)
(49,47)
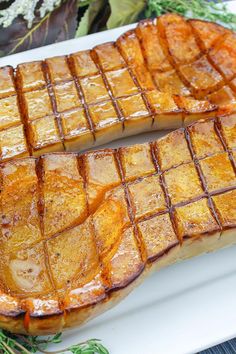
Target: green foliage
(121,12)
(19,344)
(124,12)
(208,10)
(92,346)
(95,15)
(90,14)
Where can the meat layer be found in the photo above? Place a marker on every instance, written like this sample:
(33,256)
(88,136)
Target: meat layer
(78,232)
(164,74)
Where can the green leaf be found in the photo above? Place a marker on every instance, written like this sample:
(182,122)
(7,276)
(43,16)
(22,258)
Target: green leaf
(56,338)
(211,10)
(84,3)
(88,17)
(124,12)
(17,343)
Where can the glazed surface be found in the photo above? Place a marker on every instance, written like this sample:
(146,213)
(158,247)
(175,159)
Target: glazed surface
(77,230)
(164,74)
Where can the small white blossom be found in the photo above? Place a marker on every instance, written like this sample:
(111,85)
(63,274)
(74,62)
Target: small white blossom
(26,8)
(48,6)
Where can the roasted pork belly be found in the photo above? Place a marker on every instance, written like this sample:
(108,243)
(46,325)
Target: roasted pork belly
(164,74)
(80,231)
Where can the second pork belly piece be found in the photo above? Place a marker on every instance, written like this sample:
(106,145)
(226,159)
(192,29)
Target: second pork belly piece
(77,227)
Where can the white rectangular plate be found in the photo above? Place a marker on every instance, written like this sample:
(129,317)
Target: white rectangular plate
(181,309)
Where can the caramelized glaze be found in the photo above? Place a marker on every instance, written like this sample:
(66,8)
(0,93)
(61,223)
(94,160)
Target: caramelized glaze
(166,73)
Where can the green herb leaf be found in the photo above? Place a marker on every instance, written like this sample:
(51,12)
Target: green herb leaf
(83,3)
(88,17)
(19,344)
(208,10)
(124,12)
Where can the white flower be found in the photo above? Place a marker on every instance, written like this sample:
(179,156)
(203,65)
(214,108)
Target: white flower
(26,8)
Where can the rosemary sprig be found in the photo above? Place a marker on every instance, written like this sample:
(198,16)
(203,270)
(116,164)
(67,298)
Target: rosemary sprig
(215,11)
(19,344)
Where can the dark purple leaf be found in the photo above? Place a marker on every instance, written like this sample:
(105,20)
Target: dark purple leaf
(54,27)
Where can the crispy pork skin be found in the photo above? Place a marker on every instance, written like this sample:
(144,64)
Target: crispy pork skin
(166,73)
(80,231)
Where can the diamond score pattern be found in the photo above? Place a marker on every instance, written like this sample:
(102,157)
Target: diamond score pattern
(61,222)
(71,102)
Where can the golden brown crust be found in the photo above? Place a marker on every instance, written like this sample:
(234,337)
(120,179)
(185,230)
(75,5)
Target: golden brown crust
(78,232)
(166,73)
